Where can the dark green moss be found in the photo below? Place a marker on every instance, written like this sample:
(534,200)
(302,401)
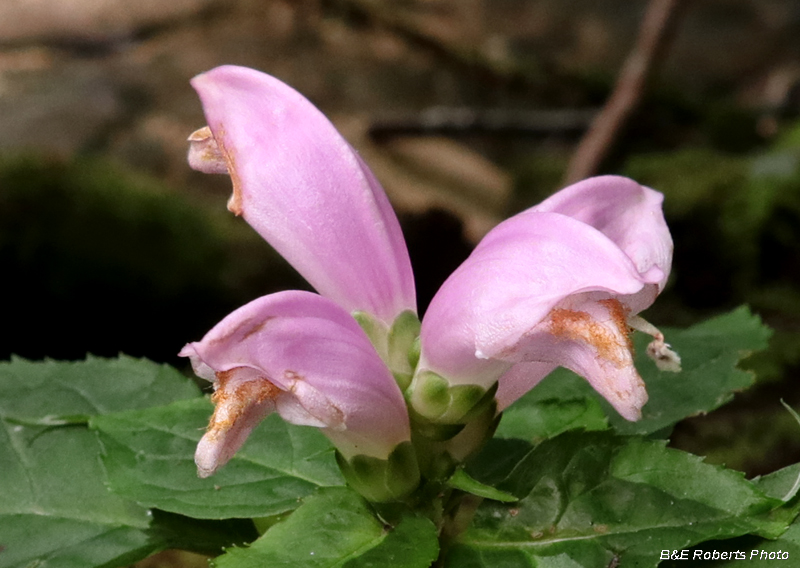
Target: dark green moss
(98,258)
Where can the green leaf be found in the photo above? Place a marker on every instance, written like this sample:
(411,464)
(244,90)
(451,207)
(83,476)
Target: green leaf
(463,481)
(55,472)
(543,414)
(203,536)
(709,352)
(50,541)
(336,528)
(585,498)
(782,484)
(783,551)
(55,509)
(149,457)
(56,392)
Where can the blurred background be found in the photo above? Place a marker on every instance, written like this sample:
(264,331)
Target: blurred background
(467,110)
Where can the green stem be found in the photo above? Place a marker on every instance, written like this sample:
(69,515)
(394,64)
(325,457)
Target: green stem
(459,511)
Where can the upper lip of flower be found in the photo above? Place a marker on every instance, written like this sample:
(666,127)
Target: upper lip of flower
(305,190)
(309,194)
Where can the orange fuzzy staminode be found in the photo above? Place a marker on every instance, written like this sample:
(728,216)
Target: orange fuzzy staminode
(579,326)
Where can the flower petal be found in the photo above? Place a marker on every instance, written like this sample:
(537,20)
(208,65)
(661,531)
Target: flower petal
(240,405)
(524,268)
(554,285)
(589,337)
(519,379)
(304,356)
(205,154)
(627,213)
(306,191)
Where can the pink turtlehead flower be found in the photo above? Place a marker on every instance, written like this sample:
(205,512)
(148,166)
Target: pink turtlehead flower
(558,284)
(306,191)
(305,357)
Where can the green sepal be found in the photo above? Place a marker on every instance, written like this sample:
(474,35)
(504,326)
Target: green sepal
(434,399)
(432,430)
(398,345)
(403,334)
(376,332)
(403,380)
(430,397)
(380,480)
(414,353)
(486,401)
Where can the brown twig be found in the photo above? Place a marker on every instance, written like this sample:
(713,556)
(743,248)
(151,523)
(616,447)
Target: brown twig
(463,52)
(654,37)
(458,121)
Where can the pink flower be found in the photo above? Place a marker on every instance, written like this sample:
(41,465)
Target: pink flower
(306,191)
(305,357)
(558,284)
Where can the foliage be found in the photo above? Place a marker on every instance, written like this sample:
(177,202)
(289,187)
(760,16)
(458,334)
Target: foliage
(565,483)
(92,242)
(735,221)
(709,352)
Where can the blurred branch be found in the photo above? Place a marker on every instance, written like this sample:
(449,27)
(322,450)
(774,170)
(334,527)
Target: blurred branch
(655,33)
(465,53)
(463,120)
